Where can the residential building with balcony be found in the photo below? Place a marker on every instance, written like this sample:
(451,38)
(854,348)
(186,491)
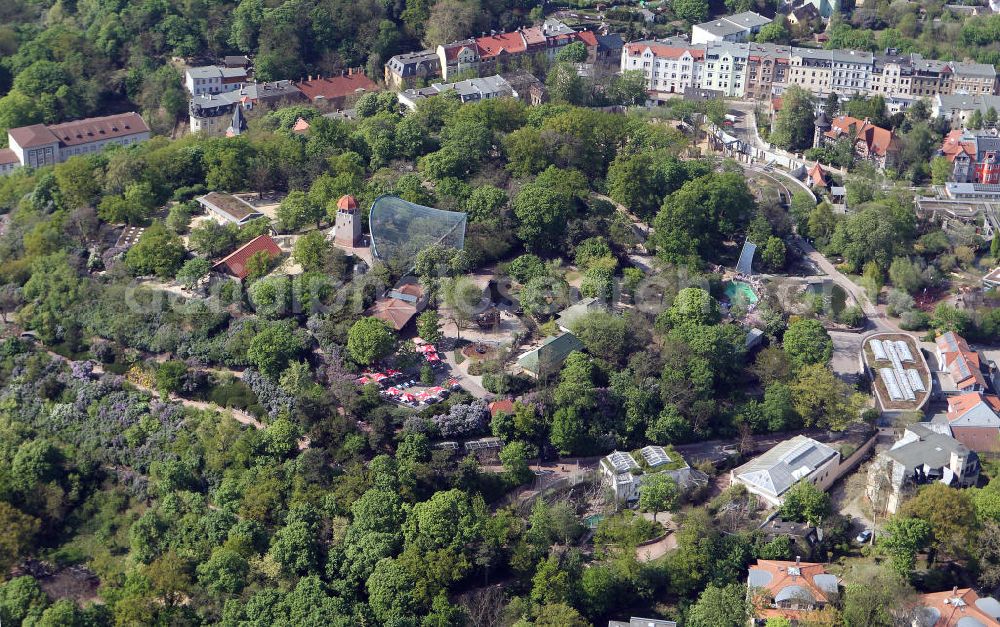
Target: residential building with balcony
(921,456)
(725,68)
(668,69)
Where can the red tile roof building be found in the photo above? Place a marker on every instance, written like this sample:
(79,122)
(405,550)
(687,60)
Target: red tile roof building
(871,142)
(236,262)
(975,158)
(488,54)
(790,590)
(41,144)
(337,91)
(668,69)
(974,420)
(818,176)
(960,362)
(505,406)
(959,608)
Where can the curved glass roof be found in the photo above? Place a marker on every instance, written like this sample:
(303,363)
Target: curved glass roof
(797,593)
(401,229)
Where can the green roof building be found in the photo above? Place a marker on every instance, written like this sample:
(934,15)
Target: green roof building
(548,358)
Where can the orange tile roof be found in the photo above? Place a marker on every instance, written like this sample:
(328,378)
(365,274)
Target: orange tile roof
(588,38)
(236,262)
(952,146)
(818,175)
(951,606)
(663,51)
(795,578)
(394,311)
(878,140)
(8,156)
(495,45)
(505,405)
(333,87)
(960,360)
(959,405)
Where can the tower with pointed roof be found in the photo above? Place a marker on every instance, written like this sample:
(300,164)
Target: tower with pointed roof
(347,231)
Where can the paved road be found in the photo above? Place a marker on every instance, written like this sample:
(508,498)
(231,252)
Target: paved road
(467,381)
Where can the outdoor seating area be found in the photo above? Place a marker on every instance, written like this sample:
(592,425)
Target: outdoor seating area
(407,390)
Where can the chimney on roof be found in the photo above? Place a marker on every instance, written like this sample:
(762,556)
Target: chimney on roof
(954,591)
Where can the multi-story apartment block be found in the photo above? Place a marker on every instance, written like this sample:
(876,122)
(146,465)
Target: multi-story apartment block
(810,70)
(668,69)
(40,144)
(973,78)
(851,71)
(217,115)
(930,77)
(767,71)
(958,107)
(891,75)
(725,68)
(488,54)
(458,57)
(759,71)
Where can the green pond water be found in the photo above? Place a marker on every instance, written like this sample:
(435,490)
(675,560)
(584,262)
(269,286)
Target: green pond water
(739,290)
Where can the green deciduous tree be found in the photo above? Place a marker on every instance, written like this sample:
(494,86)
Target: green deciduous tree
(720,607)
(429,326)
(297,210)
(159,251)
(804,502)
(903,538)
(807,342)
(692,11)
(17,535)
(823,400)
(369,340)
(952,516)
(794,125)
(272,349)
(658,492)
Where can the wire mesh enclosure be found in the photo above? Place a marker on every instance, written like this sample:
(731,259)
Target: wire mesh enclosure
(401,229)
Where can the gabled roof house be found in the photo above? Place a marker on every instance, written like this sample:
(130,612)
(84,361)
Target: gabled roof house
(960,362)
(236,262)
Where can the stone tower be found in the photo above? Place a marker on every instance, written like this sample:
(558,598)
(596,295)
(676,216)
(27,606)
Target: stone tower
(347,231)
(822,126)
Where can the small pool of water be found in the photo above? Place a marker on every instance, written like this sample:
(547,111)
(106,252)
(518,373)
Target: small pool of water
(738,290)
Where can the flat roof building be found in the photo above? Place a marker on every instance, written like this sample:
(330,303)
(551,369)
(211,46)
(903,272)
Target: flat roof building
(738,27)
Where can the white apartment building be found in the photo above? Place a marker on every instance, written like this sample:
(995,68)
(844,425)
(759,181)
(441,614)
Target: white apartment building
(212,79)
(726,68)
(850,71)
(668,69)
